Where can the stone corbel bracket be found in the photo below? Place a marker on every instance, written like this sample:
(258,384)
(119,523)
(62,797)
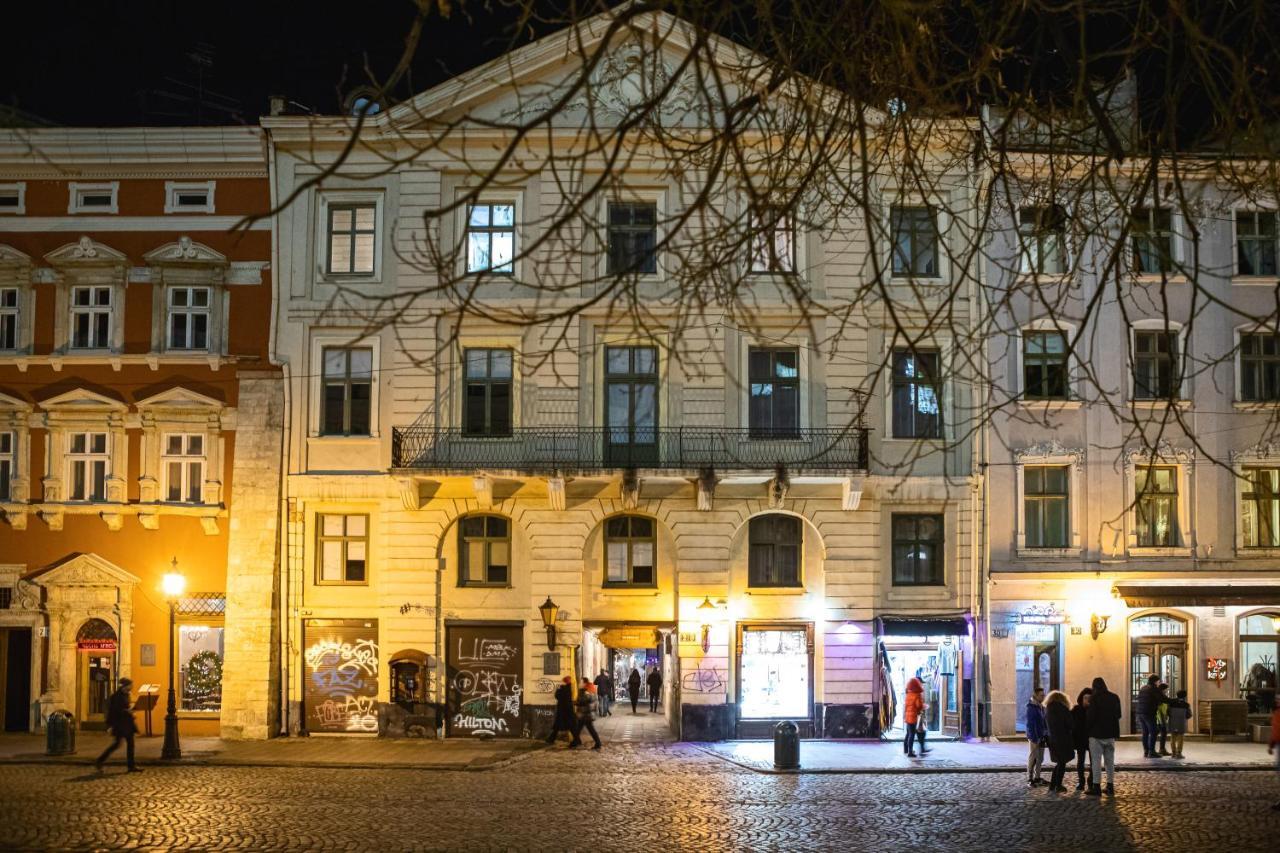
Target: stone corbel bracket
(556,493)
(851,493)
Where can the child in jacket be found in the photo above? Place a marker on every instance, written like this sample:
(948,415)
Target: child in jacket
(1178,716)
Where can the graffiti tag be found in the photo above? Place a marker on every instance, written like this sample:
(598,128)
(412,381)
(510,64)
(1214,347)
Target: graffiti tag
(703,680)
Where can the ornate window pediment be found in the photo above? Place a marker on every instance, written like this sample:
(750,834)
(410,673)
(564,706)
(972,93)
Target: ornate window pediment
(85,570)
(185,251)
(82,399)
(1051,449)
(86,252)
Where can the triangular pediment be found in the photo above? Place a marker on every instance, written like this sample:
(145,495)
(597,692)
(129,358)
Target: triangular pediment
(82,398)
(10,403)
(86,251)
(179,398)
(12,257)
(84,570)
(184,251)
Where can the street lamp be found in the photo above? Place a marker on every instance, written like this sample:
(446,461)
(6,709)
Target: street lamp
(173,585)
(549,609)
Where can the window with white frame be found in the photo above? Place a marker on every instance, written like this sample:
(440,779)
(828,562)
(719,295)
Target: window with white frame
(183,462)
(93,198)
(191,197)
(1156,506)
(1156,364)
(1044,364)
(348,391)
(914,235)
(917,393)
(8,318)
(1153,240)
(773,240)
(8,464)
(13,198)
(1256,242)
(88,461)
(1043,235)
(1045,506)
(1260,367)
(352,236)
(91,317)
(1260,508)
(188,324)
(491,238)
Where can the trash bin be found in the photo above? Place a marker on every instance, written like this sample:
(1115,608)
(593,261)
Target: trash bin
(60,733)
(786,746)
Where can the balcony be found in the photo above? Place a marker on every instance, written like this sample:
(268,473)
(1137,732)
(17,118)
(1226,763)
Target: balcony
(545,450)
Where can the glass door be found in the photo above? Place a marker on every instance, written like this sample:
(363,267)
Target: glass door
(1163,658)
(95,688)
(631,406)
(1035,665)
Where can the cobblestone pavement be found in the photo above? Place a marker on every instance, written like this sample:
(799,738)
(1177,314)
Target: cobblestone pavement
(640,797)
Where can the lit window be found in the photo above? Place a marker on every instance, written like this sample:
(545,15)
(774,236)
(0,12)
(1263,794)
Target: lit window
(1157,506)
(917,394)
(352,231)
(629,548)
(773,556)
(491,238)
(484,551)
(189,318)
(344,549)
(914,232)
(1260,510)
(183,464)
(8,318)
(87,463)
(773,240)
(1151,229)
(348,391)
(917,550)
(200,656)
(1255,242)
(90,317)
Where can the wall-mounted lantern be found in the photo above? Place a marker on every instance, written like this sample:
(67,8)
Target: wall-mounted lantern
(1098,625)
(549,610)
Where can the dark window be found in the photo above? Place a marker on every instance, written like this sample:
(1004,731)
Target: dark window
(1260,514)
(633,238)
(8,464)
(348,391)
(1260,367)
(1157,506)
(774,407)
(484,551)
(1155,365)
(630,547)
(1044,365)
(1042,231)
(90,317)
(352,232)
(343,549)
(8,318)
(1152,231)
(917,394)
(631,404)
(914,231)
(773,241)
(487,410)
(1047,521)
(189,318)
(1255,242)
(774,555)
(917,550)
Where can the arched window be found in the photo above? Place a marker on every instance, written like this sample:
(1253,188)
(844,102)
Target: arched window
(1157,625)
(1259,653)
(773,558)
(484,551)
(629,551)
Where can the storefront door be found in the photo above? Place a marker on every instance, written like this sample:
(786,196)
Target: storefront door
(939,664)
(1035,664)
(484,672)
(1158,645)
(775,678)
(95,672)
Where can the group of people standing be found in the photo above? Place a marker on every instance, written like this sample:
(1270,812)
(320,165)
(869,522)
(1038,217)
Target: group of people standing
(575,715)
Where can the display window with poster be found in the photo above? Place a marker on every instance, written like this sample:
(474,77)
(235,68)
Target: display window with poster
(775,676)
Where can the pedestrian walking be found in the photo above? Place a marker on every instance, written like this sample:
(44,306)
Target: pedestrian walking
(586,705)
(122,726)
(564,719)
(1272,743)
(1104,728)
(1037,737)
(1080,736)
(1145,710)
(913,717)
(604,693)
(1057,718)
(633,688)
(1179,717)
(1162,719)
(654,683)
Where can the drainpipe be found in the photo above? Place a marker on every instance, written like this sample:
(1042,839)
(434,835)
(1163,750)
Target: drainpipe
(441,675)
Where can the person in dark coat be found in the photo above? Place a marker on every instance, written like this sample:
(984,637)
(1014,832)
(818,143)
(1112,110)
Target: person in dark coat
(1080,736)
(586,705)
(122,726)
(1057,718)
(633,688)
(604,693)
(565,720)
(1104,727)
(654,682)
(1145,710)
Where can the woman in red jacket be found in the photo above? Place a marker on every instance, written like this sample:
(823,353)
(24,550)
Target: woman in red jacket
(1275,742)
(912,716)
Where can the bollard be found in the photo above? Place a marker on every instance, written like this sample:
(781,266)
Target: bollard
(60,734)
(786,746)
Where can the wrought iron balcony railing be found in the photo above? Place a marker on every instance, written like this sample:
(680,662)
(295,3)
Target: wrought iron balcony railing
(546,449)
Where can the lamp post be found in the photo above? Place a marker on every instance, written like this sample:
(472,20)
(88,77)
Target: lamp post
(173,584)
(549,609)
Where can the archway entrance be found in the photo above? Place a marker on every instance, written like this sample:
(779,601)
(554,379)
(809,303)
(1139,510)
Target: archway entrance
(644,649)
(1157,646)
(96,647)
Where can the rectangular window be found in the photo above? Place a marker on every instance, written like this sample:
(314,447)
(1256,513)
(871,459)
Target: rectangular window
(773,241)
(183,464)
(93,198)
(343,549)
(917,394)
(1155,365)
(200,656)
(1157,506)
(188,197)
(1044,365)
(8,318)
(189,318)
(774,406)
(629,547)
(1255,242)
(1260,511)
(917,550)
(633,238)
(487,409)
(914,231)
(348,391)
(13,199)
(8,464)
(1153,240)
(1042,232)
(1047,523)
(773,555)
(484,551)
(491,238)
(352,232)
(1260,367)
(87,463)
(90,317)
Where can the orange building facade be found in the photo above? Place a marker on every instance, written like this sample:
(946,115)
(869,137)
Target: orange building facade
(139,424)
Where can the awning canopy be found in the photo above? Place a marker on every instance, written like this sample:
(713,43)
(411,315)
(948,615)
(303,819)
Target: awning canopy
(923,626)
(1170,594)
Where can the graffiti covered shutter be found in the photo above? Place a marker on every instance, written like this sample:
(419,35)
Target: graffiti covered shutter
(340,660)
(485,667)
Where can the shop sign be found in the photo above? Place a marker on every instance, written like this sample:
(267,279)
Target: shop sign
(1041,614)
(1215,669)
(96,644)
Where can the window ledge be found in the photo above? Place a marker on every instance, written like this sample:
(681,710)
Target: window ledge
(487,586)
(1246,553)
(1048,553)
(1255,405)
(940,441)
(1044,278)
(345,439)
(917,592)
(630,591)
(347,279)
(1160,403)
(776,590)
(1148,278)
(1160,552)
(1050,404)
(1255,280)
